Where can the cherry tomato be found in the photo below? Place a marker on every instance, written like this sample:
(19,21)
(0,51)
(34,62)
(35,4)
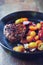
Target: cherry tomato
(40,33)
(32,45)
(38,25)
(32,33)
(19,48)
(29,38)
(33,28)
(21,20)
(38,42)
(36,37)
(40,46)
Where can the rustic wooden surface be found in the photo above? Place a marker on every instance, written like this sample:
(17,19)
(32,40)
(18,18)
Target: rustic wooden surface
(9,6)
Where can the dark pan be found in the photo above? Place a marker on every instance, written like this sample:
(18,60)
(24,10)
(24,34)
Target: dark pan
(32,16)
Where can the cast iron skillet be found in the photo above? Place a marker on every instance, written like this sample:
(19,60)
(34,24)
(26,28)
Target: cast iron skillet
(32,16)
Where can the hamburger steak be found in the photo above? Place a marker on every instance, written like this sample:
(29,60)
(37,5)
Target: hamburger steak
(14,32)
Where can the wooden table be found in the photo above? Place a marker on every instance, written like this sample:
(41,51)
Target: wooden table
(9,7)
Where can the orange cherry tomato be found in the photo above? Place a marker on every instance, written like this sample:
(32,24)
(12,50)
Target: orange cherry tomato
(36,37)
(33,28)
(38,42)
(29,38)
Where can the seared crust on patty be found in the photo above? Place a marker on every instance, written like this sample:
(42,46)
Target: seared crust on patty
(14,32)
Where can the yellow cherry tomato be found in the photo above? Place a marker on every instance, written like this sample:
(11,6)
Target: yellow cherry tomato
(32,33)
(21,20)
(32,45)
(40,46)
(19,48)
(38,25)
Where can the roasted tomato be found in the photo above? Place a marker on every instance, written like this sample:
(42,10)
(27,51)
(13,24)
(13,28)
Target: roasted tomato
(40,33)
(18,21)
(29,38)
(40,46)
(33,28)
(36,37)
(38,25)
(32,45)
(32,33)
(19,48)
